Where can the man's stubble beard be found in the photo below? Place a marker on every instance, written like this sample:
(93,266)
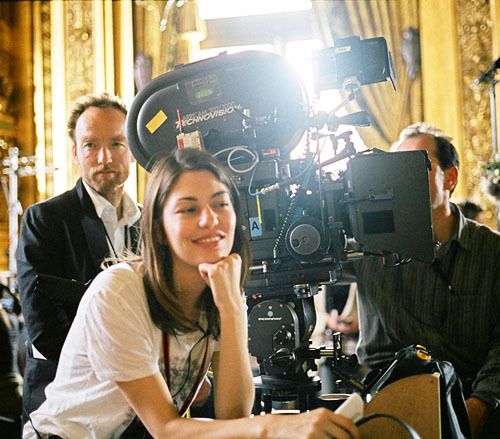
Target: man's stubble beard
(112,188)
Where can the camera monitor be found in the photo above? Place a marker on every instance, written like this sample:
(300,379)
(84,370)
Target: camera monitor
(369,61)
(389,205)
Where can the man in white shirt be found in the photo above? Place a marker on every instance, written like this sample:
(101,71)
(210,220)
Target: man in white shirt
(65,239)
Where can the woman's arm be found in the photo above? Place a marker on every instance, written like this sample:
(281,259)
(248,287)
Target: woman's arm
(234,389)
(151,400)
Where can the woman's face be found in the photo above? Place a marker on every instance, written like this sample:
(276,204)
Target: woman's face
(198,220)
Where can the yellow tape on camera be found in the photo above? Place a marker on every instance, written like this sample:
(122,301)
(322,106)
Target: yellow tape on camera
(156,121)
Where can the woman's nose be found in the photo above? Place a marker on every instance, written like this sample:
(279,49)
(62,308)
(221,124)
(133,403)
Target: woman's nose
(208,218)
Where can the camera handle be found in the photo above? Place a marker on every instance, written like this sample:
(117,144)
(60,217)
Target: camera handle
(348,150)
(351,85)
(336,355)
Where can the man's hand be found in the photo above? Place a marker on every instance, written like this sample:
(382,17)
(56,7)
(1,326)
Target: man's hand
(478,413)
(346,325)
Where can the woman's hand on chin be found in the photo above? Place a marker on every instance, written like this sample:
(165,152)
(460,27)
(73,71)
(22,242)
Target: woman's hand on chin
(223,278)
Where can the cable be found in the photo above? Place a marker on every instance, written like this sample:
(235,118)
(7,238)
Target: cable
(404,424)
(205,334)
(38,435)
(232,150)
(293,179)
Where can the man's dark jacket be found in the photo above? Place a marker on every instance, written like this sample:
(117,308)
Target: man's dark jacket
(61,237)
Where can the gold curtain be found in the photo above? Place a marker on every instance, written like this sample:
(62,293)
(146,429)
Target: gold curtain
(390,111)
(156,36)
(158,48)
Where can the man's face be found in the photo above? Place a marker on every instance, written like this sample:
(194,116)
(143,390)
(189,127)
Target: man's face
(101,150)
(440,181)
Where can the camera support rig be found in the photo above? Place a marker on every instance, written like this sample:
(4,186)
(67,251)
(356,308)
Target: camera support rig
(250,110)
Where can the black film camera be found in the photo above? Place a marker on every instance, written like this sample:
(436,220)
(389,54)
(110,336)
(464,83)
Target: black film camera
(250,110)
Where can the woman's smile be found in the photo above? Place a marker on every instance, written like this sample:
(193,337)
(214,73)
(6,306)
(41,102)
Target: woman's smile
(199,220)
(212,241)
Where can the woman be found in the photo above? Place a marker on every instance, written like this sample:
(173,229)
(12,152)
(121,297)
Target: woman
(147,330)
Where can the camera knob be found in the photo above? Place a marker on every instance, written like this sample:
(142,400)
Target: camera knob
(282,358)
(282,337)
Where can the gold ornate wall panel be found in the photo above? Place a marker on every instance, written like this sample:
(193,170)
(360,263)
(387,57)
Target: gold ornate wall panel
(452,59)
(157,47)
(43,95)
(7,122)
(79,48)
(475,43)
(16,110)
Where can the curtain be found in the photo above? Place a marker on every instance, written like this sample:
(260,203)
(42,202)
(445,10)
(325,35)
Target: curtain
(158,48)
(390,110)
(156,37)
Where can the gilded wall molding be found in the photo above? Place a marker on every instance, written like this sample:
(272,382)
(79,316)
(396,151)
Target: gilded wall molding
(79,48)
(46,80)
(79,58)
(475,42)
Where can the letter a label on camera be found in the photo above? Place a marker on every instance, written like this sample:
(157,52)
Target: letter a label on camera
(255,227)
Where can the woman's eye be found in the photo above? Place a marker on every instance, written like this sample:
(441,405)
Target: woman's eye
(187,210)
(221,202)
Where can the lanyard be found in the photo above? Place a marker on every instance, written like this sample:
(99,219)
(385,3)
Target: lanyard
(110,242)
(199,377)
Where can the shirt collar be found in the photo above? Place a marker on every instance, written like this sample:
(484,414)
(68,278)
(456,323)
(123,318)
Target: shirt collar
(462,232)
(130,211)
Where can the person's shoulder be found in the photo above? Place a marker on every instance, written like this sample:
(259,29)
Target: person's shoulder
(482,229)
(115,295)
(119,279)
(127,270)
(60,203)
(482,235)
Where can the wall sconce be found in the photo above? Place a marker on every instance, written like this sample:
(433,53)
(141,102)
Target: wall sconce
(410,51)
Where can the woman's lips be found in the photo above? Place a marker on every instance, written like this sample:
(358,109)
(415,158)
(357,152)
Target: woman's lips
(209,240)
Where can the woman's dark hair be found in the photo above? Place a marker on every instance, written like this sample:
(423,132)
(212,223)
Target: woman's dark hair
(164,301)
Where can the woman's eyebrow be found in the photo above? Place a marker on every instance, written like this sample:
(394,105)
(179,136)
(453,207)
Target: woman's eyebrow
(219,193)
(194,198)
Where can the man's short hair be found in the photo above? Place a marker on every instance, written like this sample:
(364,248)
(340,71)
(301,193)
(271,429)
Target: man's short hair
(103,100)
(445,151)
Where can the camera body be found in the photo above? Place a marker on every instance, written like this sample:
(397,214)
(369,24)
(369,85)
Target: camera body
(309,230)
(250,110)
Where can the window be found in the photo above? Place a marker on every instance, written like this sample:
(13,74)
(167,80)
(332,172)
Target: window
(283,27)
